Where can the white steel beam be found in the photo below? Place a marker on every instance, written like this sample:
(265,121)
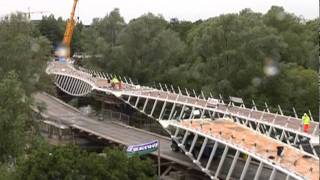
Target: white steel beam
(223,157)
(273,174)
(193,143)
(202,148)
(256,177)
(213,152)
(245,168)
(145,105)
(154,106)
(234,162)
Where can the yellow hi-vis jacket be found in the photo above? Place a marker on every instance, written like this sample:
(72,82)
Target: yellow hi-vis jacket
(306,119)
(115,81)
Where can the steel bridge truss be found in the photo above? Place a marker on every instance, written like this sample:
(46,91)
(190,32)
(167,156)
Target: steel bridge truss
(80,82)
(166,109)
(250,164)
(169,112)
(168,106)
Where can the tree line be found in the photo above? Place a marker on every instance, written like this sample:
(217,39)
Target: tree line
(268,57)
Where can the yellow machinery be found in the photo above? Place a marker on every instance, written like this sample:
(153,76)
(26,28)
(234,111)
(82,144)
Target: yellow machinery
(70,26)
(66,43)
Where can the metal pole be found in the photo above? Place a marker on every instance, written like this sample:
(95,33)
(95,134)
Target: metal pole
(179,90)
(131,81)
(187,92)
(280,110)
(221,98)
(166,87)
(310,115)
(295,113)
(195,95)
(245,168)
(267,107)
(159,172)
(254,104)
(161,87)
(172,89)
(203,96)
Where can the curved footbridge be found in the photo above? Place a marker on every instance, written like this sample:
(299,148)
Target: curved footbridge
(237,140)
(169,107)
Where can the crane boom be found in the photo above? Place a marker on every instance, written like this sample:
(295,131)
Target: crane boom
(70,26)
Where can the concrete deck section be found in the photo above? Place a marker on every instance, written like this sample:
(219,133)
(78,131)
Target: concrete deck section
(293,159)
(71,117)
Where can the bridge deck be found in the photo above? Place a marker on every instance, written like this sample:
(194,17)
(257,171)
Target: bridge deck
(280,120)
(292,159)
(283,122)
(108,130)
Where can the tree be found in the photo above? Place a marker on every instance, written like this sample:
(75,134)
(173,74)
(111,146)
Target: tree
(6,173)
(52,28)
(110,26)
(14,115)
(99,40)
(227,64)
(302,89)
(245,54)
(24,52)
(181,27)
(149,48)
(297,33)
(72,163)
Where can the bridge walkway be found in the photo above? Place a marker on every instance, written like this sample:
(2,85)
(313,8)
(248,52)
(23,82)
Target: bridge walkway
(293,162)
(117,133)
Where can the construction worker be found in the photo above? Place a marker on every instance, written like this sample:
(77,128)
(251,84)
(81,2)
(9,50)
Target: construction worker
(114,81)
(306,122)
(121,85)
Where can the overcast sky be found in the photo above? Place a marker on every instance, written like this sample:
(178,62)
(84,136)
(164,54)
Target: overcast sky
(182,9)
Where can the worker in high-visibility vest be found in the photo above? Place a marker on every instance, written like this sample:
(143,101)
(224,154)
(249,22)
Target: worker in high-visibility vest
(306,122)
(114,81)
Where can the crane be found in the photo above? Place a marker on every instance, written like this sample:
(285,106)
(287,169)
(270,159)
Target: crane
(28,14)
(63,51)
(70,27)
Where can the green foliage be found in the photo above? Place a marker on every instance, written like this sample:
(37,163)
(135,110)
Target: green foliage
(72,163)
(23,57)
(14,114)
(299,35)
(52,29)
(6,173)
(246,54)
(23,52)
(137,49)
(301,88)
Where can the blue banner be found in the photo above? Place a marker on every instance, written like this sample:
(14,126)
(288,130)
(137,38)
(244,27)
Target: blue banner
(141,149)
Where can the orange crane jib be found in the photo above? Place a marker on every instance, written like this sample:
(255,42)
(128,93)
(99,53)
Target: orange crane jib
(70,26)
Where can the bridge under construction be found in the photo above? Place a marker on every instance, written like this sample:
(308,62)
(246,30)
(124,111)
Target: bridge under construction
(273,144)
